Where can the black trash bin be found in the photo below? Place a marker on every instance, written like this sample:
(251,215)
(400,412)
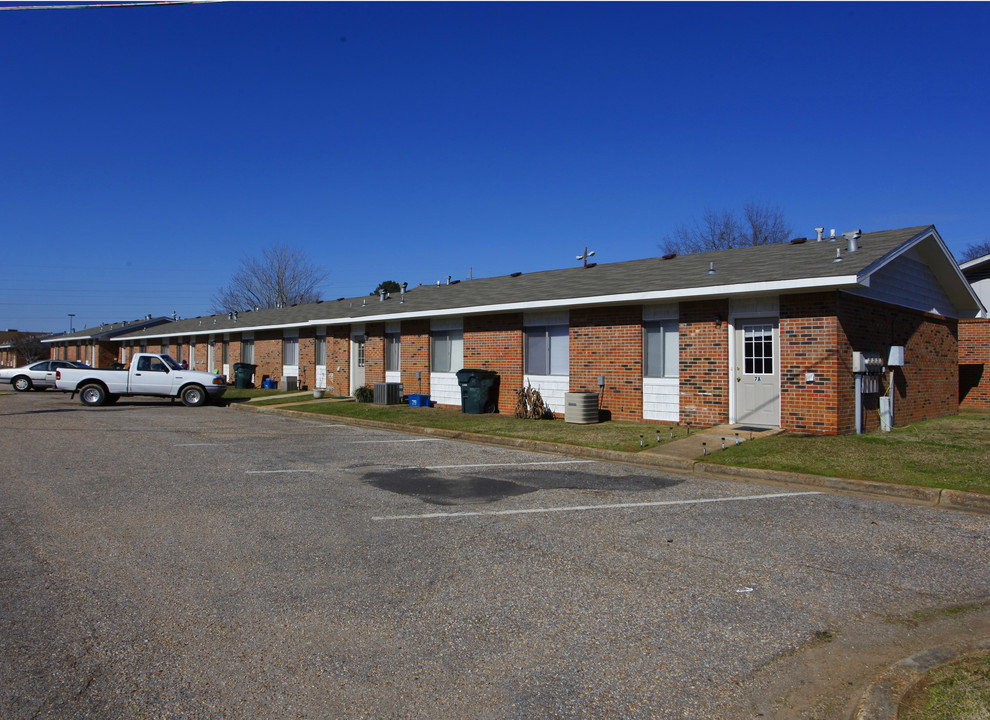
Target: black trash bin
(242,375)
(479,390)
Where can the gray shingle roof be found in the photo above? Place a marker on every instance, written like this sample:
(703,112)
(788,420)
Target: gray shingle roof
(809,264)
(108,330)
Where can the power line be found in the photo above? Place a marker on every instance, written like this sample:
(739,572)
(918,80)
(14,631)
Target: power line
(90,6)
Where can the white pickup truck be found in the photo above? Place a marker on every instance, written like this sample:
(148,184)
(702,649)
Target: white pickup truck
(148,374)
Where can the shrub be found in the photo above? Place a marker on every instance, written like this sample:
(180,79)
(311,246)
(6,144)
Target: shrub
(364,394)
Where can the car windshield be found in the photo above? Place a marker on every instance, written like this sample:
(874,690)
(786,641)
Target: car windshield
(170,362)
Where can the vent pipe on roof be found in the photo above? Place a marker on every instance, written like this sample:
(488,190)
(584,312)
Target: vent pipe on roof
(832,239)
(838,255)
(711,268)
(381,296)
(448,279)
(821,233)
(852,238)
(402,293)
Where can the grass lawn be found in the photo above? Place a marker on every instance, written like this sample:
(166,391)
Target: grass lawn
(612,435)
(951,452)
(955,691)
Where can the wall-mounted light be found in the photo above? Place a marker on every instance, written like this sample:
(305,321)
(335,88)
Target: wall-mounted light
(718,320)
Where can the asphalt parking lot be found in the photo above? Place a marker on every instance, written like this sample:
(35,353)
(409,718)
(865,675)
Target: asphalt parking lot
(158,561)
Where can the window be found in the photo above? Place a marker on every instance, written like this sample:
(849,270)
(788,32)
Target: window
(290,351)
(392,352)
(247,351)
(165,349)
(548,350)
(447,351)
(661,356)
(758,349)
(321,350)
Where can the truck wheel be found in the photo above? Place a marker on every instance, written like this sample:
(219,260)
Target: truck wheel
(193,396)
(22,383)
(93,395)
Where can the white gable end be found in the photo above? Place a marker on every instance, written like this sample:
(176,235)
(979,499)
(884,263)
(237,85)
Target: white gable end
(909,282)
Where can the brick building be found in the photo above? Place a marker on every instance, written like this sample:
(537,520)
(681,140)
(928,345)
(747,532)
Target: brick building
(97,346)
(20,348)
(762,335)
(974,342)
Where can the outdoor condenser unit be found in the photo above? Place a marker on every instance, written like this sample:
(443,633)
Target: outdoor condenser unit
(388,393)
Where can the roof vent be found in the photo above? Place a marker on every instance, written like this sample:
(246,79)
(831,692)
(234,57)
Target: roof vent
(669,256)
(852,237)
(515,274)
(711,268)
(838,255)
(821,233)
(799,241)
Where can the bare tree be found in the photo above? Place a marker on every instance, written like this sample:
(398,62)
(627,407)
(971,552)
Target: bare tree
(281,276)
(976,250)
(29,348)
(759,224)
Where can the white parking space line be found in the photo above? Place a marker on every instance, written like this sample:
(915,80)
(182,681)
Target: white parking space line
(275,472)
(519,464)
(581,508)
(371,442)
(195,444)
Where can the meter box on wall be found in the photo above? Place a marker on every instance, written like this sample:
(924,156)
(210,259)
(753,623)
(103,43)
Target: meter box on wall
(867,362)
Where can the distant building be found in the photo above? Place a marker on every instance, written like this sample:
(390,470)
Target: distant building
(20,348)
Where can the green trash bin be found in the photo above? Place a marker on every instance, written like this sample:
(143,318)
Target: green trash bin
(479,390)
(242,375)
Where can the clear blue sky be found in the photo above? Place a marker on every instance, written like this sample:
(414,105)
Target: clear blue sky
(144,151)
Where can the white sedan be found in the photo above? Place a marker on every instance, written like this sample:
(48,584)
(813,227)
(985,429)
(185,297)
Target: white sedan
(37,376)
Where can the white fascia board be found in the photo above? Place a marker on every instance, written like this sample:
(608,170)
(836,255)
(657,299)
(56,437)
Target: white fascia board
(973,263)
(618,299)
(216,331)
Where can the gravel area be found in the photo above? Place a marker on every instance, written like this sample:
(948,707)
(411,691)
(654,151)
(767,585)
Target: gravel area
(158,561)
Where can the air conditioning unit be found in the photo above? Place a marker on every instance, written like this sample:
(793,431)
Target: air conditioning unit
(388,393)
(581,408)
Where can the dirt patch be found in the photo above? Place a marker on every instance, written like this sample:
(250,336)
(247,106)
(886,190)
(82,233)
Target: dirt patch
(825,679)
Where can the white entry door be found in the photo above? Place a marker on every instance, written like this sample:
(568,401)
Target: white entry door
(357,362)
(757,372)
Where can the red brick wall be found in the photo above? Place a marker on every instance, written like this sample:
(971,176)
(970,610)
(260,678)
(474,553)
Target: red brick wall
(809,343)
(928,384)
(415,356)
(818,334)
(268,356)
(974,364)
(495,342)
(608,342)
(704,366)
(374,354)
(339,360)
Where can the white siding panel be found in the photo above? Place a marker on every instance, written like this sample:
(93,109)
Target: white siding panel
(552,389)
(661,399)
(393,376)
(908,282)
(444,389)
(661,311)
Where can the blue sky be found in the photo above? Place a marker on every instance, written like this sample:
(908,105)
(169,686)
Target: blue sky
(144,151)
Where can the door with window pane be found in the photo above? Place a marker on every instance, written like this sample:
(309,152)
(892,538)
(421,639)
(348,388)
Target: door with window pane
(757,372)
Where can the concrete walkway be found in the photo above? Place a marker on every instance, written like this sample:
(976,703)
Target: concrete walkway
(711,440)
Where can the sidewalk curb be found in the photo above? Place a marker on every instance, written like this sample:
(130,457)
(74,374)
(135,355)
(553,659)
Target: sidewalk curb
(935,497)
(882,699)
